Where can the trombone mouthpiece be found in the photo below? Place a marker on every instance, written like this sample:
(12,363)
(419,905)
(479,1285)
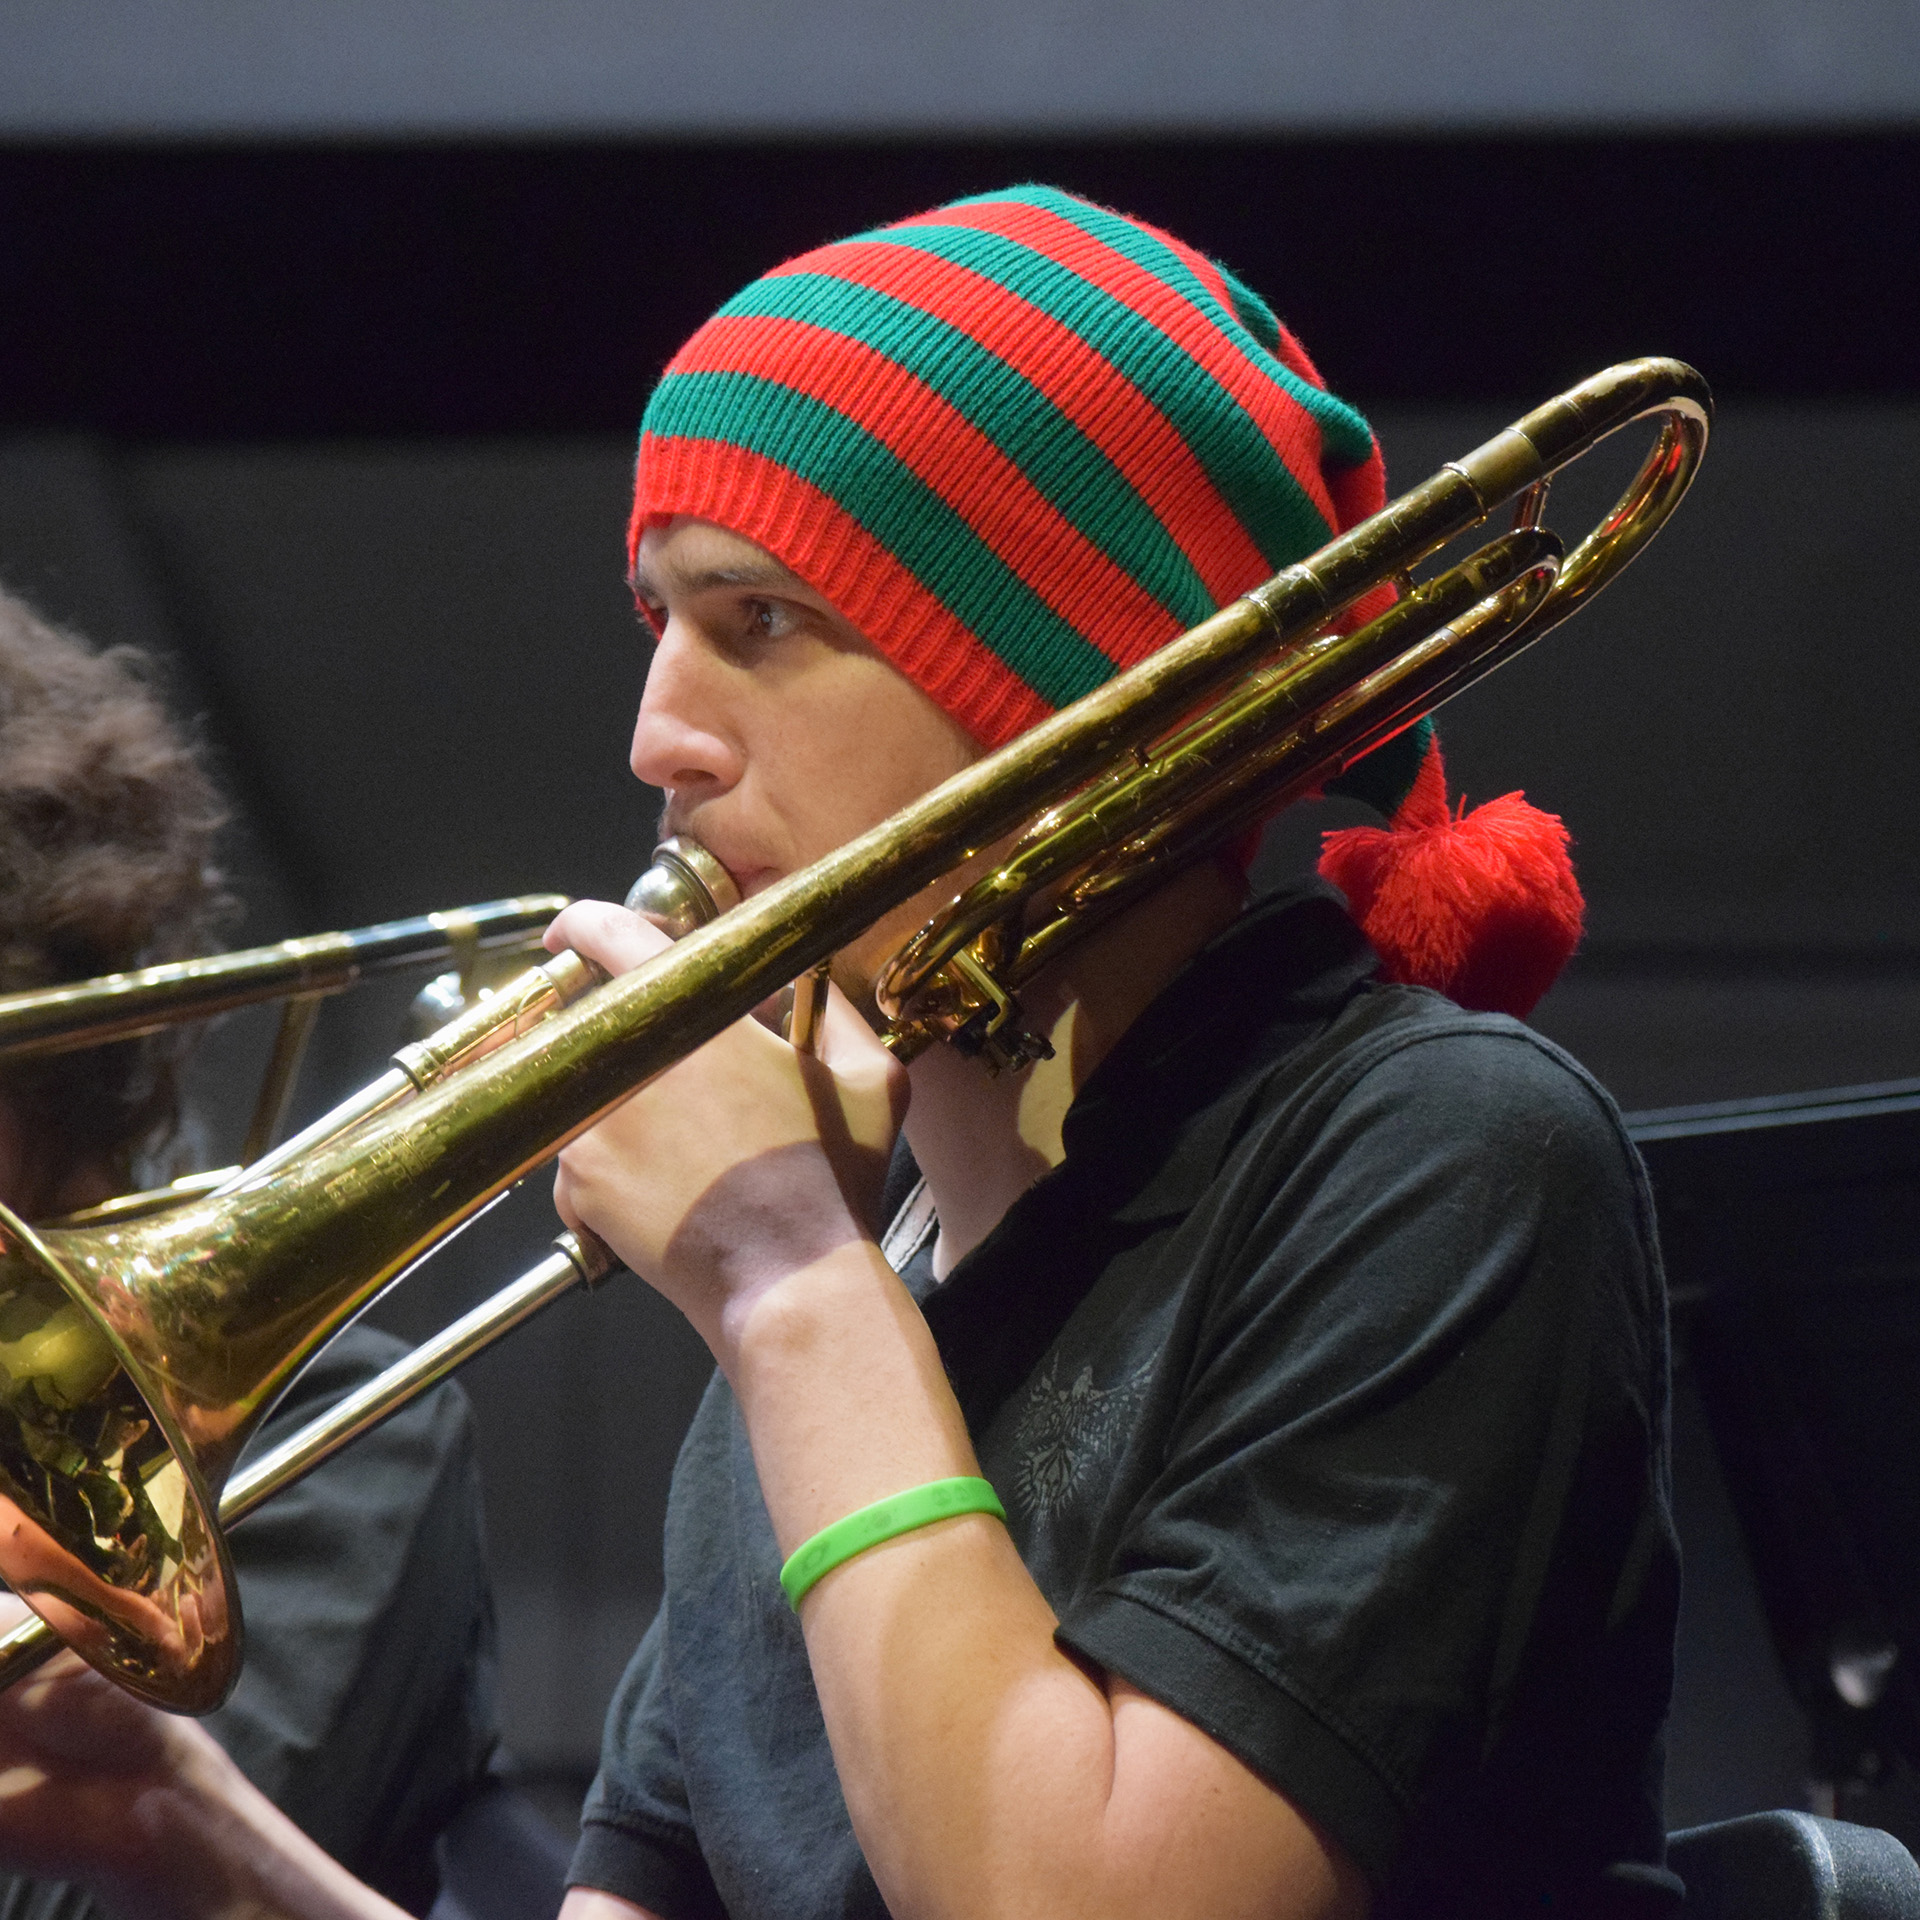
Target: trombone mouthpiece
(684,888)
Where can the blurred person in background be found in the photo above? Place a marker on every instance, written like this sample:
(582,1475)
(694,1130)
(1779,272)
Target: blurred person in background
(365,1708)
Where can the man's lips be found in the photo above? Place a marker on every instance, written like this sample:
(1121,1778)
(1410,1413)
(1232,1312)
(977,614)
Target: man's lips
(745,868)
(751,880)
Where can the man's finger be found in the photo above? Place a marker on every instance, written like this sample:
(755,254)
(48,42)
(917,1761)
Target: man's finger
(612,936)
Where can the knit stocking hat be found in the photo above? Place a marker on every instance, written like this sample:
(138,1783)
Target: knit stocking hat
(1021,442)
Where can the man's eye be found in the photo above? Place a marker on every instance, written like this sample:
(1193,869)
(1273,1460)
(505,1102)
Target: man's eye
(769,619)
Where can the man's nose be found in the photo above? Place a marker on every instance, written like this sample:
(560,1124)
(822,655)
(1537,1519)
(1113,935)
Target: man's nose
(680,737)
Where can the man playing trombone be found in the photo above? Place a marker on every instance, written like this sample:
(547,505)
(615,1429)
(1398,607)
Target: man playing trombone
(1222,1471)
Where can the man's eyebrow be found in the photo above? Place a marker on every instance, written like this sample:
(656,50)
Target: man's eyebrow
(770,576)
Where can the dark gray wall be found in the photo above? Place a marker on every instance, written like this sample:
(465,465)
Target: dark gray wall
(1728,734)
(419,665)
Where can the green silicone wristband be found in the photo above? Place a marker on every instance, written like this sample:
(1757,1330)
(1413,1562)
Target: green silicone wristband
(884,1520)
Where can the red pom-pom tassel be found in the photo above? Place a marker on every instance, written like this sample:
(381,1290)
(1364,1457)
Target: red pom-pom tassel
(1482,906)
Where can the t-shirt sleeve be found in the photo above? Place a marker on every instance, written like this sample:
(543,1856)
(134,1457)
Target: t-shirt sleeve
(636,1830)
(1416,1472)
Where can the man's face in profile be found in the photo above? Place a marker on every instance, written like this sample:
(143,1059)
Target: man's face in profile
(776,730)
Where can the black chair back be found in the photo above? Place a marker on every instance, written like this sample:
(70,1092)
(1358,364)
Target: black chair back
(1793,1866)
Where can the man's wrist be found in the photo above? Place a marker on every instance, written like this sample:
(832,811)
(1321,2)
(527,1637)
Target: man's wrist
(777,1315)
(844,1394)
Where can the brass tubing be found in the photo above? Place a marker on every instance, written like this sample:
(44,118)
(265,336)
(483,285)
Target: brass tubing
(360,1217)
(297,1015)
(1280,770)
(433,1360)
(413,1177)
(1286,690)
(991,910)
(571,1264)
(123,1006)
(1282,767)
(516,1008)
(809,1010)
(31,1644)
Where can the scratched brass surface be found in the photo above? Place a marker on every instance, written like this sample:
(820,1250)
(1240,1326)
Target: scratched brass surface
(213,1305)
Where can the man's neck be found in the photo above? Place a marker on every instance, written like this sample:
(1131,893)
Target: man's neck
(981,1139)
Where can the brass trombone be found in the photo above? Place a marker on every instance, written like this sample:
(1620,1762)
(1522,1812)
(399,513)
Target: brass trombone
(138,1358)
(301,973)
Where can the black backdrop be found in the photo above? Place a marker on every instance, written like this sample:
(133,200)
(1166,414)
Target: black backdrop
(242,292)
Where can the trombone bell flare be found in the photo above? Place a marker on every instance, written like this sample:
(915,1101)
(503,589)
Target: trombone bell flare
(573,1262)
(106,1520)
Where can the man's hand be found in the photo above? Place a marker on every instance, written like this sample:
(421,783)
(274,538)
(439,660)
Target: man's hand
(147,1811)
(744,1164)
(87,1773)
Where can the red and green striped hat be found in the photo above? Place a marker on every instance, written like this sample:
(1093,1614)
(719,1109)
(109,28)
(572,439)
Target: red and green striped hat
(1020,442)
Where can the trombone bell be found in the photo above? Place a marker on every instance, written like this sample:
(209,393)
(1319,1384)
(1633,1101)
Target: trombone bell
(105,1522)
(138,1352)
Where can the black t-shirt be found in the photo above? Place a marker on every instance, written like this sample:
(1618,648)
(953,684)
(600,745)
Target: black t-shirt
(1325,1385)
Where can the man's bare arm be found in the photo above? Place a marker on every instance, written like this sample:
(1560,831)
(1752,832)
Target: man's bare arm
(986,1771)
(148,1811)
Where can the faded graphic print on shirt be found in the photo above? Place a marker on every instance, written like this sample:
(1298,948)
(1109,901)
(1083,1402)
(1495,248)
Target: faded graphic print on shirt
(1066,1431)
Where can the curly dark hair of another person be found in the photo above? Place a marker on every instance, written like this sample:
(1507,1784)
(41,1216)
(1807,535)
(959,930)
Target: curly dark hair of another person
(108,825)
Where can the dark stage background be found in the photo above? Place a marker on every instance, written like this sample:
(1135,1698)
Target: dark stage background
(344,432)
(209,292)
